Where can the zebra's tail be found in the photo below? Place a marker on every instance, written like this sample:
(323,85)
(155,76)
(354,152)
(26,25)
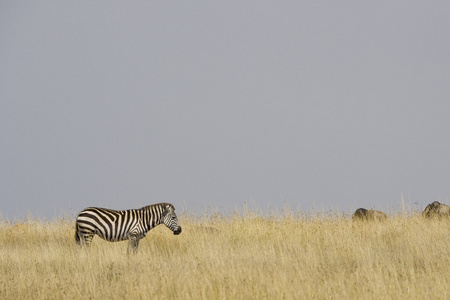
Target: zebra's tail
(77,234)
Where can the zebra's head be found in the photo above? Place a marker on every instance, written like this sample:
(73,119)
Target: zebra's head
(169,218)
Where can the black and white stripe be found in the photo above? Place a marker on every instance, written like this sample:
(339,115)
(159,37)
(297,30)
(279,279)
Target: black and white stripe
(120,225)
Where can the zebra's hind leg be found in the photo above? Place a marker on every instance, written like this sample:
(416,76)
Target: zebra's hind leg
(88,239)
(133,244)
(84,239)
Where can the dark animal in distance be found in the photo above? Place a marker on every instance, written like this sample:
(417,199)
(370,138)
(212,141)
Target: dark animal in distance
(436,209)
(369,214)
(120,225)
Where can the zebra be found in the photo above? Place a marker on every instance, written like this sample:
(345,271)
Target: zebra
(120,225)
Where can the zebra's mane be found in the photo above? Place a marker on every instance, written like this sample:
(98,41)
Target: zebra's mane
(159,204)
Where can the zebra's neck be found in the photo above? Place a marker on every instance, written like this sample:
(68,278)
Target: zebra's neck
(151,216)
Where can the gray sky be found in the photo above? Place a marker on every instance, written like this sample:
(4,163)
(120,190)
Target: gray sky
(206,104)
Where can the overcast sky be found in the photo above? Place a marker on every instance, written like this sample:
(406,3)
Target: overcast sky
(316,105)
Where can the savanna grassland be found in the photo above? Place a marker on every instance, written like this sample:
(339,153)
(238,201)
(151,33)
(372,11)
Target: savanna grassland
(249,256)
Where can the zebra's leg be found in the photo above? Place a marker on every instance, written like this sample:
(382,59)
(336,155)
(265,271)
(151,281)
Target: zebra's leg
(133,243)
(83,239)
(83,235)
(88,239)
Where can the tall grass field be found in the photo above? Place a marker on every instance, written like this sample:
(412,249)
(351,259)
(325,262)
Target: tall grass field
(241,256)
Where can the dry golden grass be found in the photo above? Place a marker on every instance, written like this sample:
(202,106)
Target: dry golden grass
(247,256)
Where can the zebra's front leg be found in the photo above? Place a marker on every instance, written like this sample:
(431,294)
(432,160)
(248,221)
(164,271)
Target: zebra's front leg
(133,244)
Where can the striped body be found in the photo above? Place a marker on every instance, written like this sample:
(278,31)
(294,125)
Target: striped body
(120,225)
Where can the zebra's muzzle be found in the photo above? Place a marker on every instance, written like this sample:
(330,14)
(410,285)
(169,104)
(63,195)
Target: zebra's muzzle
(177,231)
